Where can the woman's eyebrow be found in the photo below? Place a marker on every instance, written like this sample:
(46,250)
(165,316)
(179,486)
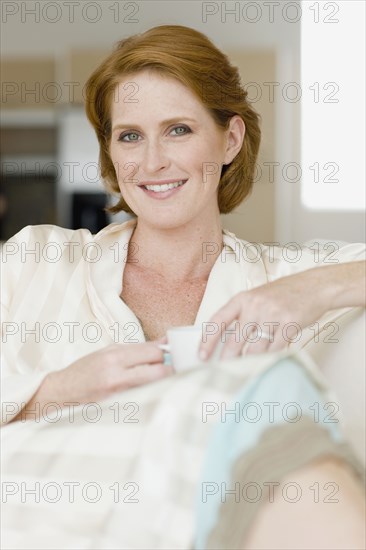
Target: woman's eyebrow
(162,123)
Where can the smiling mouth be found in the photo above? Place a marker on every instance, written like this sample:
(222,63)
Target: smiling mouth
(161,188)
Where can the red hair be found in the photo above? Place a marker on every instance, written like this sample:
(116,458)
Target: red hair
(191,58)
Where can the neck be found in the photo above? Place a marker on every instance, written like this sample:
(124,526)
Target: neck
(180,253)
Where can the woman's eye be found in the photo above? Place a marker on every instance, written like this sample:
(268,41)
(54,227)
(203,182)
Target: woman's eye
(181,130)
(130,136)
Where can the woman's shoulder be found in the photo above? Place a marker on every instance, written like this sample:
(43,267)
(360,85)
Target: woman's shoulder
(54,244)
(281,259)
(48,234)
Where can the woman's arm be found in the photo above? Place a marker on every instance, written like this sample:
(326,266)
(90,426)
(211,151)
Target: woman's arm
(346,283)
(297,300)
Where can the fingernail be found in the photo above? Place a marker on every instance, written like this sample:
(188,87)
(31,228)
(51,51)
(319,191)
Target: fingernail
(203,355)
(164,347)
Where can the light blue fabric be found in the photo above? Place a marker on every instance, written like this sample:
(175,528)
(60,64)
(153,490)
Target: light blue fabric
(284,383)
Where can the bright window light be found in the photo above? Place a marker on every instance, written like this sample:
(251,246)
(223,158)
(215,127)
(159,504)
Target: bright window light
(333,105)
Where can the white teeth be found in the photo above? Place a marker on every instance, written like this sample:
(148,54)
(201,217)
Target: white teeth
(164,187)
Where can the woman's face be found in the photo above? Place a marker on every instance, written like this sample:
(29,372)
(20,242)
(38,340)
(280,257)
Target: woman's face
(167,150)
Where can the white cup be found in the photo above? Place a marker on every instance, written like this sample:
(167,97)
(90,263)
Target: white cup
(183,345)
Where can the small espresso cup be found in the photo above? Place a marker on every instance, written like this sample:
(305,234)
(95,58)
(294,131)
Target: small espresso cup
(183,345)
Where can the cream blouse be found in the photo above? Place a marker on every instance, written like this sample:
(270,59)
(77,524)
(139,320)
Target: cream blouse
(60,295)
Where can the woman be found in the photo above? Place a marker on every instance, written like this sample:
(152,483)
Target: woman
(179,145)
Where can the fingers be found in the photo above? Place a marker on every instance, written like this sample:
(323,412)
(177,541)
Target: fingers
(268,342)
(244,326)
(245,338)
(213,330)
(144,374)
(131,355)
(258,346)
(240,337)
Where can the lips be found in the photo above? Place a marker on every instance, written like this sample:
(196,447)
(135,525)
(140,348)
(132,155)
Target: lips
(162,189)
(162,186)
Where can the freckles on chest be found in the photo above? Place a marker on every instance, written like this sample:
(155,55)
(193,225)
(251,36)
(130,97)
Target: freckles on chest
(157,302)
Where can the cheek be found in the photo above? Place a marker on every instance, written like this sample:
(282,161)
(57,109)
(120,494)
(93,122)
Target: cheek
(126,171)
(210,174)
(208,159)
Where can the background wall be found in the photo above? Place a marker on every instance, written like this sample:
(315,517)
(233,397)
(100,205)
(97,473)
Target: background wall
(262,38)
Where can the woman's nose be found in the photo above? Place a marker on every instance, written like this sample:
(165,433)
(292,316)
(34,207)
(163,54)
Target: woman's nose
(155,157)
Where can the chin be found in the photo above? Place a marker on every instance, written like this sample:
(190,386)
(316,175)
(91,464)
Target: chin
(166,220)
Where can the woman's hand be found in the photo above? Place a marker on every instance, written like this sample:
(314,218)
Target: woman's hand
(267,318)
(96,376)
